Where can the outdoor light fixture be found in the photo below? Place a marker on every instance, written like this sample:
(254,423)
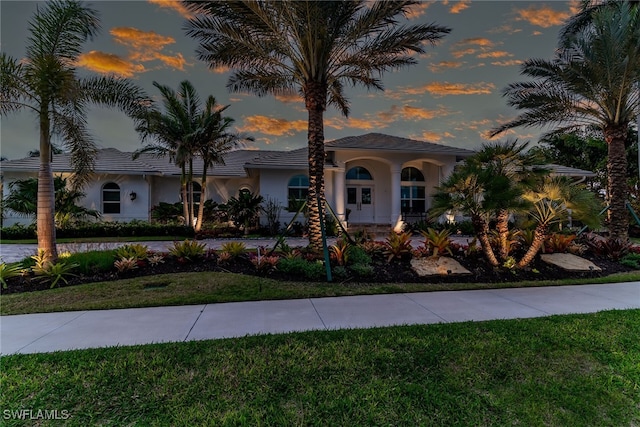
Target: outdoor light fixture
(133,195)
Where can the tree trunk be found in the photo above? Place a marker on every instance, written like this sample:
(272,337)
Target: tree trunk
(502,227)
(45,214)
(190,189)
(183,192)
(316,96)
(203,197)
(539,235)
(482,231)
(615,137)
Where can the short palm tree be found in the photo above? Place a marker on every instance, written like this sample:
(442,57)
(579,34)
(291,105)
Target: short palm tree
(552,202)
(45,82)
(593,80)
(312,47)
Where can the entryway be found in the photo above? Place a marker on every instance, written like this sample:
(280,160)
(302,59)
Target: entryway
(360,203)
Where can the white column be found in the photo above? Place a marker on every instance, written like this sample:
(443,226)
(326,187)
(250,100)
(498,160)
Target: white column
(338,194)
(396,216)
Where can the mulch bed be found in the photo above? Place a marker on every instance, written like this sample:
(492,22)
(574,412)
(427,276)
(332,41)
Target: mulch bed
(397,271)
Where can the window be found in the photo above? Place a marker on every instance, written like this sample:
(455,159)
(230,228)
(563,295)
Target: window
(298,189)
(111,198)
(412,192)
(359,173)
(197,192)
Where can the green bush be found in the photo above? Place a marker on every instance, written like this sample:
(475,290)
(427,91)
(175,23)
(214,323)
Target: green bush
(362,270)
(18,232)
(125,229)
(631,260)
(357,255)
(136,251)
(299,266)
(234,249)
(189,250)
(92,262)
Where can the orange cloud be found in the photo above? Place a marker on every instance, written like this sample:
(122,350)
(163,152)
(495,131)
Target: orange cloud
(444,65)
(507,28)
(477,41)
(289,98)
(434,136)
(273,126)
(107,63)
(507,63)
(418,9)
(542,16)
(147,46)
(416,113)
(175,5)
(460,6)
(495,54)
(470,46)
(439,89)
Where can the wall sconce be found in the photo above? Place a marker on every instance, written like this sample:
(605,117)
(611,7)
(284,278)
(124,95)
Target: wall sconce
(133,195)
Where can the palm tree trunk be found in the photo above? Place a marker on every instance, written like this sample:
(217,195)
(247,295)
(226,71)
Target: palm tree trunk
(183,191)
(482,231)
(45,214)
(190,189)
(502,227)
(203,197)
(316,95)
(539,235)
(615,137)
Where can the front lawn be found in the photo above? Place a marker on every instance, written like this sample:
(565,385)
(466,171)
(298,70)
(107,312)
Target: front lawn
(577,370)
(213,287)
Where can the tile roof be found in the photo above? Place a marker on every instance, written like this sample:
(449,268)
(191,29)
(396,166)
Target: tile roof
(560,170)
(379,141)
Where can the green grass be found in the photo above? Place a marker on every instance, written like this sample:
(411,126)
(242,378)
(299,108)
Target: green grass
(209,287)
(578,370)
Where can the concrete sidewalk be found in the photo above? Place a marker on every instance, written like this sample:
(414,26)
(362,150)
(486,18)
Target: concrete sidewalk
(38,333)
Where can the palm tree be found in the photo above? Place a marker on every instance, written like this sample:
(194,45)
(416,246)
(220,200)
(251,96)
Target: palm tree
(312,47)
(185,130)
(593,80)
(46,83)
(552,202)
(213,141)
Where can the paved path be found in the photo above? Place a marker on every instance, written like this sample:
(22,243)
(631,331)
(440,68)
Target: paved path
(37,333)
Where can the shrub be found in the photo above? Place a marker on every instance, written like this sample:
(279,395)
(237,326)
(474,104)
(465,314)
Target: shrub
(19,232)
(125,264)
(340,252)
(234,249)
(437,242)
(358,255)
(631,260)
(189,250)
(137,251)
(52,271)
(613,249)
(155,259)
(340,272)
(557,242)
(8,271)
(299,266)
(362,270)
(92,262)
(265,263)
(397,246)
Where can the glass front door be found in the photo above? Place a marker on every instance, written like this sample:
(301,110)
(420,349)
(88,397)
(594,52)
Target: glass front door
(360,203)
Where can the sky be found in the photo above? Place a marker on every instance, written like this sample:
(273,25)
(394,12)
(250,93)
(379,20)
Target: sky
(452,96)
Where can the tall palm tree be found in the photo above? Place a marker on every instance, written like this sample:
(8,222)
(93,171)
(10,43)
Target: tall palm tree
(593,80)
(213,141)
(312,47)
(45,82)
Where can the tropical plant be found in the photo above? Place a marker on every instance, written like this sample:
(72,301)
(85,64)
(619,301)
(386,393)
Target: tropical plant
(592,80)
(397,246)
(272,209)
(340,251)
(189,250)
(8,271)
(45,82)
(244,209)
(49,270)
(558,243)
(312,47)
(437,242)
(234,249)
(125,264)
(136,251)
(23,196)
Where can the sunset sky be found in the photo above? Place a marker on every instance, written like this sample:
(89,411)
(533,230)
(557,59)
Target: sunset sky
(452,96)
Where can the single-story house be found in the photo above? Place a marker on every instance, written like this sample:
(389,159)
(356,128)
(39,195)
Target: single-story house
(372,179)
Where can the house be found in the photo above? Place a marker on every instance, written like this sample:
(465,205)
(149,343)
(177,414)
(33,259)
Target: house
(372,179)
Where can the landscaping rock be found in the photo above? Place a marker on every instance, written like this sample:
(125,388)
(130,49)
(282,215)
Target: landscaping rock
(439,266)
(569,262)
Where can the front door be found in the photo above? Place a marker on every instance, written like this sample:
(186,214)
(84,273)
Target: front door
(360,204)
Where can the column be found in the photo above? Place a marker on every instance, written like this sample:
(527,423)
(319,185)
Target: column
(338,194)
(396,216)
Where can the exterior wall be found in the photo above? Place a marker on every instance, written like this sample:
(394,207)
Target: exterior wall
(10,217)
(137,209)
(274,185)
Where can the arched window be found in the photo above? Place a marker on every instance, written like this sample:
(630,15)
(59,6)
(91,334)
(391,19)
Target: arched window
(412,191)
(111,198)
(298,189)
(359,173)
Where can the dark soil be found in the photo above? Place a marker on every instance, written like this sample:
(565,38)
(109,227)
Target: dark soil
(396,271)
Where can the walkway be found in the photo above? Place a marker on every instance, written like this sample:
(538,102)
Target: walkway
(37,333)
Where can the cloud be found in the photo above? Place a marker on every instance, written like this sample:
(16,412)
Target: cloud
(107,63)
(477,41)
(417,10)
(147,46)
(273,126)
(445,65)
(507,63)
(175,5)
(459,6)
(542,16)
(434,136)
(506,28)
(471,46)
(408,112)
(494,54)
(440,89)
(289,98)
